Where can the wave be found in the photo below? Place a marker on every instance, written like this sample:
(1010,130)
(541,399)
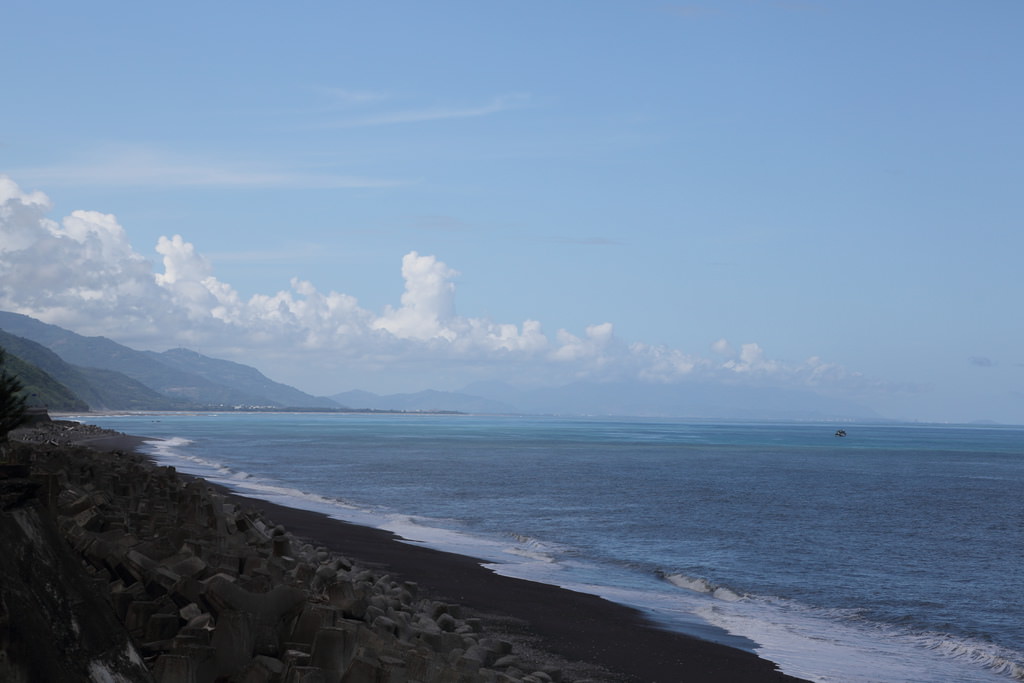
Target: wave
(701,585)
(437,533)
(981,654)
(809,642)
(170,452)
(533,549)
(167,447)
(838,644)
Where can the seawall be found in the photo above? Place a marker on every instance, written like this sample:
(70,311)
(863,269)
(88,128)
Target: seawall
(116,569)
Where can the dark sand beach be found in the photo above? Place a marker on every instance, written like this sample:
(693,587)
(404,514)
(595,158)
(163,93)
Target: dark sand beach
(576,637)
(608,641)
(575,626)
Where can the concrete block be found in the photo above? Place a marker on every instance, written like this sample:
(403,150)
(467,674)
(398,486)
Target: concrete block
(234,641)
(363,670)
(138,614)
(140,566)
(305,674)
(190,566)
(334,648)
(261,670)
(161,627)
(482,655)
(189,611)
(311,620)
(173,669)
(499,647)
(202,659)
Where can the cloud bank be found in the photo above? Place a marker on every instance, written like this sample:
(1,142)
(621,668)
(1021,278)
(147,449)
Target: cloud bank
(82,273)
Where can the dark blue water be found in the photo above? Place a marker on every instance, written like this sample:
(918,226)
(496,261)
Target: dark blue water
(894,554)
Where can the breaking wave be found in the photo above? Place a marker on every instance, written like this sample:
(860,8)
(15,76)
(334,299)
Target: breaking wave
(700,585)
(981,654)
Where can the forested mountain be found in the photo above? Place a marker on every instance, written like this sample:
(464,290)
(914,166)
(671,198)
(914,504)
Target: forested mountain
(97,389)
(41,390)
(243,378)
(108,375)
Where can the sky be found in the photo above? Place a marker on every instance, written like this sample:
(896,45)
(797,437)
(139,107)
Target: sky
(395,196)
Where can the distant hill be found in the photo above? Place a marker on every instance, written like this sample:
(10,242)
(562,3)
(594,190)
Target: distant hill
(41,390)
(422,401)
(243,378)
(179,378)
(97,389)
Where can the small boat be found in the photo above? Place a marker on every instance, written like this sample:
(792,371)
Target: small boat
(840,432)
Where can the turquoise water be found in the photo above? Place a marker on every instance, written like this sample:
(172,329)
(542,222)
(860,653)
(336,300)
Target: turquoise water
(893,554)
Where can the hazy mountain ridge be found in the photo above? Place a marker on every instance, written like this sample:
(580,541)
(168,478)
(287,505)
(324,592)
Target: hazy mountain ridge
(96,389)
(108,375)
(241,377)
(183,379)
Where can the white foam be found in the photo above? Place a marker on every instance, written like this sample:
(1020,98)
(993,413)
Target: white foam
(828,646)
(533,549)
(174,452)
(981,654)
(700,585)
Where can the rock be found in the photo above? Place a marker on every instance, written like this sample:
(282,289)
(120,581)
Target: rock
(189,611)
(446,622)
(234,640)
(234,597)
(173,669)
(161,627)
(261,670)
(333,650)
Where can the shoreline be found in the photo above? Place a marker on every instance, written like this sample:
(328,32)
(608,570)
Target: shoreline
(587,635)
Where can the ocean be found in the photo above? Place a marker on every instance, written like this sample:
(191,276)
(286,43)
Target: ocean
(894,554)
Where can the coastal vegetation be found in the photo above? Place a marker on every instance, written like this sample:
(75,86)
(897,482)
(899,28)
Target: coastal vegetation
(12,403)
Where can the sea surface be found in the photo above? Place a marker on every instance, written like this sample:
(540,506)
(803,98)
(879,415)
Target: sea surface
(893,554)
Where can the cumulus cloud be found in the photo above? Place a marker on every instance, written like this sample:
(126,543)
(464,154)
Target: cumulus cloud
(428,303)
(83,273)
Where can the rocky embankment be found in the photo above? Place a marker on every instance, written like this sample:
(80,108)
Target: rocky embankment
(116,569)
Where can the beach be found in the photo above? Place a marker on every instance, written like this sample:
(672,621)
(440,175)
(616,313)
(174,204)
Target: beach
(561,634)
(584,632)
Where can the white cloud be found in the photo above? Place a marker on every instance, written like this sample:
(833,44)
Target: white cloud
(82,273)
(663,364)
(722,347)
(428,303)
(751,359)
(593,347)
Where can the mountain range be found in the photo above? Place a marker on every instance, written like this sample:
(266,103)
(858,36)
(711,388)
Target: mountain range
(110,376)
(65,371)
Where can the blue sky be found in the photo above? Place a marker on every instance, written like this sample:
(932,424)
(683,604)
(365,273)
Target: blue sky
(821,194)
